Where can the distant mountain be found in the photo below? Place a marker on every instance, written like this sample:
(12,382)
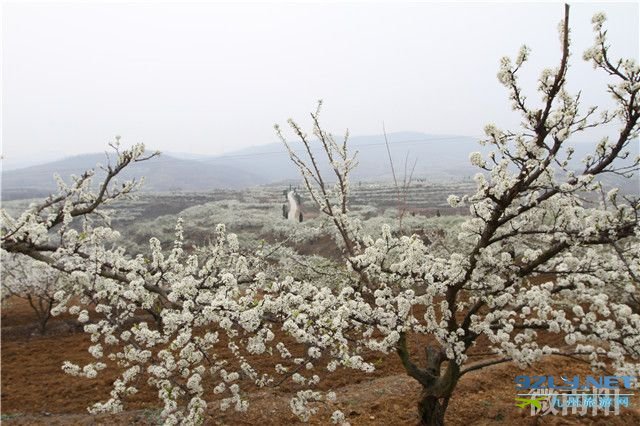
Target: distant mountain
(438,158)
(40,157)
(162,174)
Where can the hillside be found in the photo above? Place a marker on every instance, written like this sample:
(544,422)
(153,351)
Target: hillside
(439,158)
(162,174)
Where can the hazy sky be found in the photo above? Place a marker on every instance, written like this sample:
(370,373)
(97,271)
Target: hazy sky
(210,78)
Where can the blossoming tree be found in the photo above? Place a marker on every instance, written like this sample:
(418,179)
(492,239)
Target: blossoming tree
(33,281)
(545,250)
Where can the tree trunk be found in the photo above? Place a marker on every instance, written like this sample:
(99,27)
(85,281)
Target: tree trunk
(43,324)
(431,410)
(437,388)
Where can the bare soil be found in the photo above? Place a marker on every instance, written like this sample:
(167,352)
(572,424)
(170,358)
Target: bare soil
(35,391)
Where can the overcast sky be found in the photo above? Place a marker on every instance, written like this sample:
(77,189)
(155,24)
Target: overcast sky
(211,78)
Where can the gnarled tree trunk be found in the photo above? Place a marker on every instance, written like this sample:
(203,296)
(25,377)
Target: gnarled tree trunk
(431,409)
(436,388)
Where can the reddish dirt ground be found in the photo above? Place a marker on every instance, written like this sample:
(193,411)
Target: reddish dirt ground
(35,391)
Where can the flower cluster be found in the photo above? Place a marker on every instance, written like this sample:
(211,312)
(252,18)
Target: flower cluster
(545,249)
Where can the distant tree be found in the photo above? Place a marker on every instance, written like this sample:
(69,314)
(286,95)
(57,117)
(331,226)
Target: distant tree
(530,220)
(33,281)
(402,188)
